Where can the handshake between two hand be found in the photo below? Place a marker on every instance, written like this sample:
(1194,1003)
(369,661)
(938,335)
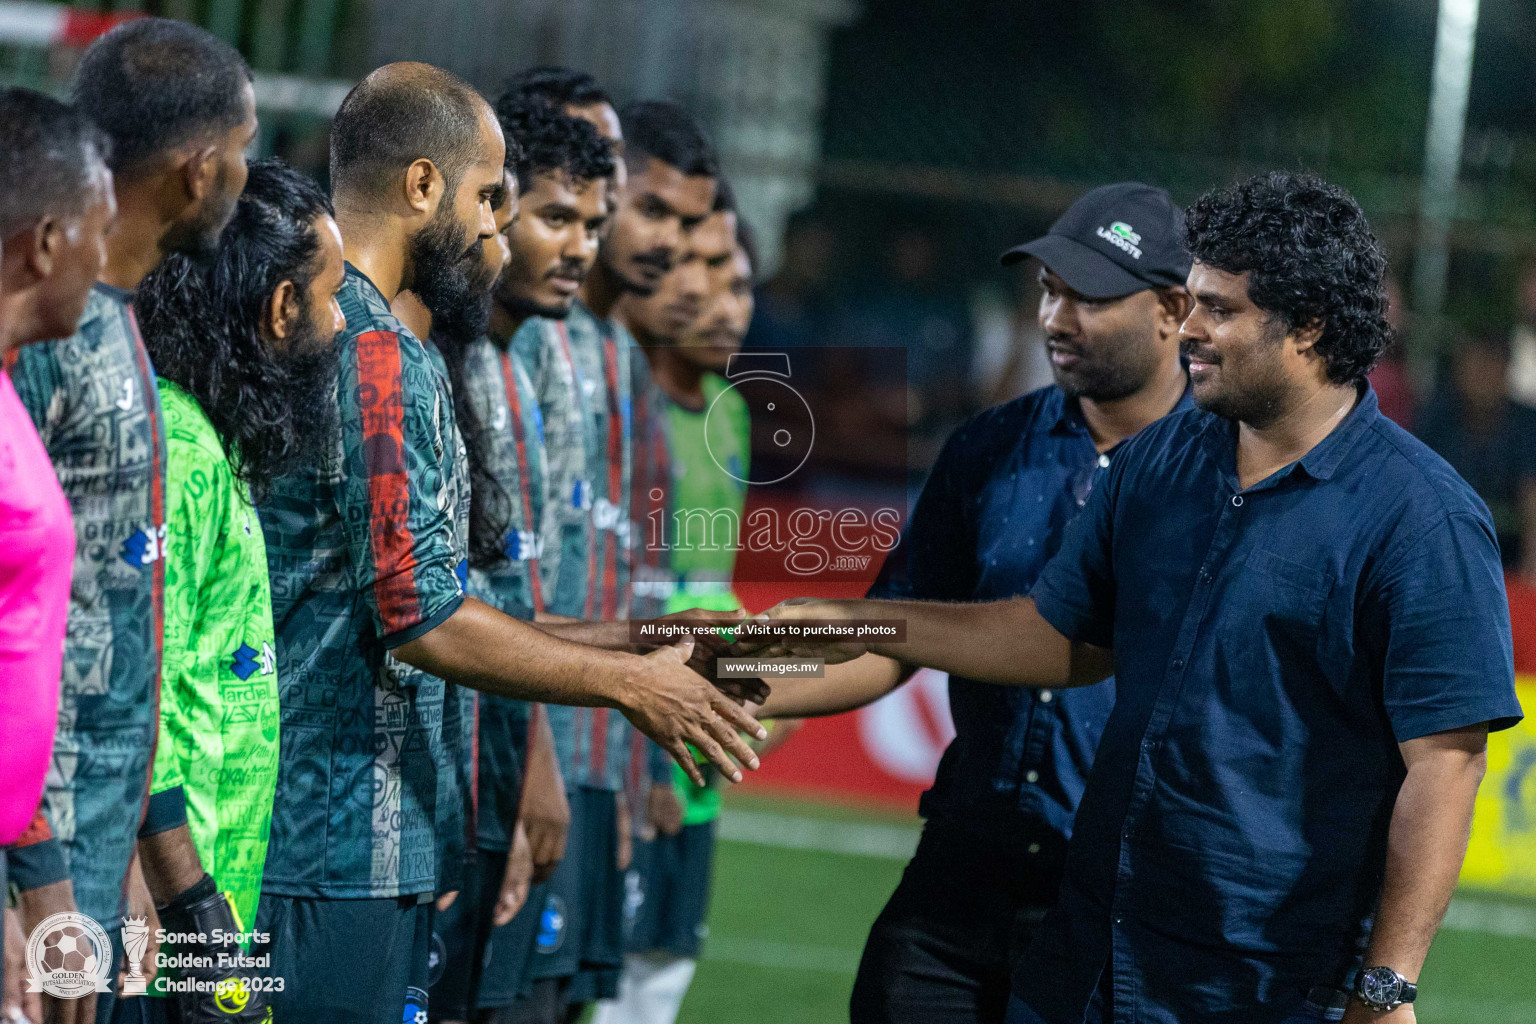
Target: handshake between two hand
(787,630)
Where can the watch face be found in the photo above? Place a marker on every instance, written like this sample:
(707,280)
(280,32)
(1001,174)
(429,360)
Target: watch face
(1380,986)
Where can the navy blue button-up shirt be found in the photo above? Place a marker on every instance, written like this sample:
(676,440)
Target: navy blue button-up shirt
(990,516)
(1273,646)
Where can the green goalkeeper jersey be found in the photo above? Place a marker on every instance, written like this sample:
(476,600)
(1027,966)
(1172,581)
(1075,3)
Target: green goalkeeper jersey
(219,705)
(710,450)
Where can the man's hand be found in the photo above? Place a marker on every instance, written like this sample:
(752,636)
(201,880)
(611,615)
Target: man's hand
(544,813)
(16,999)
(795,609)
(675,707)
(36,905)
(624,833)
(663,810)
(711,642)
(516,880)
(447,900)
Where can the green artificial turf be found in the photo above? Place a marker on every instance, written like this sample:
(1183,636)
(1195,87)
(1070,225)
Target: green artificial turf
(787,926)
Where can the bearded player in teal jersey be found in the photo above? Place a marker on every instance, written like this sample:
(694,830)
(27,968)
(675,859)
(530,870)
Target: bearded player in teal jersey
(368,558)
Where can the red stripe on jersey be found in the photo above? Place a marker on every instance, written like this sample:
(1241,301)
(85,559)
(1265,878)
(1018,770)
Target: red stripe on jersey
(37,831)
(381,393)
(597,757)
(515,408)
(616,496)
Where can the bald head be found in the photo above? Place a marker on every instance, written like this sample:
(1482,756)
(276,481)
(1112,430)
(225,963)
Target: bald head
(399,114)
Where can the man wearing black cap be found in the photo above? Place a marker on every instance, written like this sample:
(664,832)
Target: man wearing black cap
(991,514)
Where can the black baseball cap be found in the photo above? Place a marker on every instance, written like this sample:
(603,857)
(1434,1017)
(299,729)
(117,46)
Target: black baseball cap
(1115,240)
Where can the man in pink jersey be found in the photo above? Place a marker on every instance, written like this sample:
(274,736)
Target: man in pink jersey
(54,216)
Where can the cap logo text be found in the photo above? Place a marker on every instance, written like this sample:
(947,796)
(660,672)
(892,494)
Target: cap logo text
(1120,235)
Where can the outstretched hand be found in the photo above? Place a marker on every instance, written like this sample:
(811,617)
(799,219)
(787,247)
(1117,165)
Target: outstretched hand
(799,609)
(710,643)
(675,707)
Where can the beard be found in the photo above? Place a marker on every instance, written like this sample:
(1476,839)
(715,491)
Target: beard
(308,371)
(1115,367)
(447,267)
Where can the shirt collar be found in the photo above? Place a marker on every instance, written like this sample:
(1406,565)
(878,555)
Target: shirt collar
(367,281)
(1325,457)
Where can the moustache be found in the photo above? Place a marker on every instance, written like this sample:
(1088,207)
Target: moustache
(661,259)
(1192,353)
(573,269)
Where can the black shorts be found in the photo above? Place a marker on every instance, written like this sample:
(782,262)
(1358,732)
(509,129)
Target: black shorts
(581,916)
(348,961)
(668,892)
(459,938)
(508,954)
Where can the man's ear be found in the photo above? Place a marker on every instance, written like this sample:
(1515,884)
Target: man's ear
(423,186)
(1175,303)
(281,312)
(199,172)
(40,246)
(1306,337)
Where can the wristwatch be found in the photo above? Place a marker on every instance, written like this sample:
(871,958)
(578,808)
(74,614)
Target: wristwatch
(1383,989)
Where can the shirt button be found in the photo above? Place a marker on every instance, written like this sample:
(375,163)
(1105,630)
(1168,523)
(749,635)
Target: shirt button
(1032,777)
(1103,461)
(1237,501)
(1178,663)
(1046,696)
(1119,920)
(1205,575)
(1034,847)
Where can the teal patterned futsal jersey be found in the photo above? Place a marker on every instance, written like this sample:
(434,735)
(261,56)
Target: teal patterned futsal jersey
(96,407)
(579,367)
(507,407)
(365,554)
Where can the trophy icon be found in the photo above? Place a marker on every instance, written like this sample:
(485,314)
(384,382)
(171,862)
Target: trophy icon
(135,941)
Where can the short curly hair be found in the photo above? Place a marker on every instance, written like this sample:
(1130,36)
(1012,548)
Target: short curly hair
(1311,256)
(541,139)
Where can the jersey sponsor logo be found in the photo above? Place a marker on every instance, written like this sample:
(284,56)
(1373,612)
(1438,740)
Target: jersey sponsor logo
(145,547)
(551,933)
(1122,237)
(248,661)
(523,546)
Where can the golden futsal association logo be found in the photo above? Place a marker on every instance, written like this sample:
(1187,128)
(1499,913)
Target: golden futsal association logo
(68,956)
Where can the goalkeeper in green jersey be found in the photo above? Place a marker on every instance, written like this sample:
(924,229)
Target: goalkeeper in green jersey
(243,350)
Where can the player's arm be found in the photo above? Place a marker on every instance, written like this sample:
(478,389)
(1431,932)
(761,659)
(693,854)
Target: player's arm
(403,547)
(479,647)
(1007,642)
(1448,681)
(847,686)
(1426,841)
